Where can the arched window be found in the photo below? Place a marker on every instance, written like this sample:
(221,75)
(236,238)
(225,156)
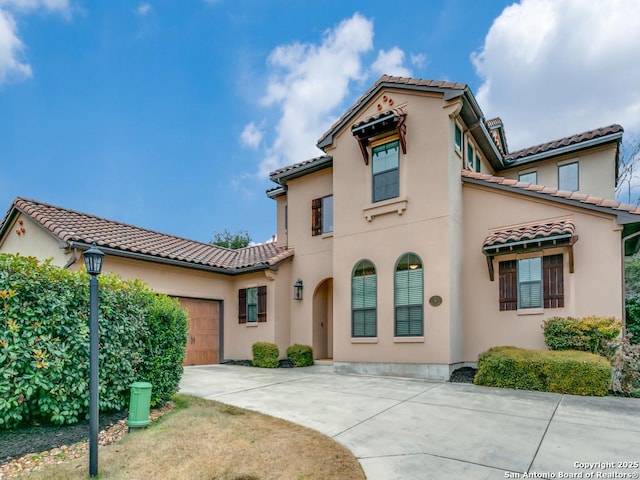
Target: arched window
(364,300)
(409,311)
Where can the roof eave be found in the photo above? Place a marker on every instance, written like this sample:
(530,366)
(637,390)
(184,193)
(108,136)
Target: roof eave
(276,192)
(622,217)
(612,137)
(322,163)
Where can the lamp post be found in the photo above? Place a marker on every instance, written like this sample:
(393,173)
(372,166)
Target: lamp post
(93,262)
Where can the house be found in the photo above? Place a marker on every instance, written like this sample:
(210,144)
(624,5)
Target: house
(417,241)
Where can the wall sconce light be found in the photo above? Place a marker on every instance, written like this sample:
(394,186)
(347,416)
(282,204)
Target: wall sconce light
(297,290)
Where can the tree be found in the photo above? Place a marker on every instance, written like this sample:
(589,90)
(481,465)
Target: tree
(629,173)
(226,239)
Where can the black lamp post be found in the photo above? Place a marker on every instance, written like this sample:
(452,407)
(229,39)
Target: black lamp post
(297,290)
(93,262)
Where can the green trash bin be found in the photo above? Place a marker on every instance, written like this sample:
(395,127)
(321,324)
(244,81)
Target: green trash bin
(139,405)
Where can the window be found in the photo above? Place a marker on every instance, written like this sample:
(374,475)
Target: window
(469,156)
(408,297)
(322,215)
(364,300)
(458,137)
(568,177)
(478,163)
(252,305)
(529,177)
(532,283)
(386,177)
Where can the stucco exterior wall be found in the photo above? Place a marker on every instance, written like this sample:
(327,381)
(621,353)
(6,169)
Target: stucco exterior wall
(313,254)
(421,220)
(34,241)
(593,289)
(596,170)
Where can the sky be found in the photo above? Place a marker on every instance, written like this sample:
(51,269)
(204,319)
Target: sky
(170,115)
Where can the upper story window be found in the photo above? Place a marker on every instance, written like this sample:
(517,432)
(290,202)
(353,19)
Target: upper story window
(529,177)
(363,300)
(478,163)
(385,168)
(457,137)
(568,177)
(470,154)
(322,215)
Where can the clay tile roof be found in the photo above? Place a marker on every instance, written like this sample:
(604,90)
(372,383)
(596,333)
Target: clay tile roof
(529,232)
(72,226)
(564,142)
(580,199)
(400,82)
(298,165)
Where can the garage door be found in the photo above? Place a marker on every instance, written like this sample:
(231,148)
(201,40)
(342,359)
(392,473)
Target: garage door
(204,331)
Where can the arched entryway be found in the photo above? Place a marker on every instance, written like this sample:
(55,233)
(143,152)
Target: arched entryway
(323,320)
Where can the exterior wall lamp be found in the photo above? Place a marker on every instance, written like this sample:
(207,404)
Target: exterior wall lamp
(93,262)
(297,290)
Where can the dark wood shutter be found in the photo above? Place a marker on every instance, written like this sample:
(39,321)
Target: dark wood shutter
(242,305)
(316,216)
(262,303)
(508,285)
(553,281)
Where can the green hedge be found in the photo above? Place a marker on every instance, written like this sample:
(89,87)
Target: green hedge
(44,342)
(632,305)
(265,355)
(570,371)
(300,355)
(588,334)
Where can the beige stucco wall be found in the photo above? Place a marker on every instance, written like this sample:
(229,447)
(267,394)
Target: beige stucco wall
(34,242)
(423,220)
(313,254)
(593,289)
(596,170)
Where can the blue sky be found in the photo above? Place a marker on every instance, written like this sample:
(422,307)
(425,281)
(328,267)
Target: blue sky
(168,115)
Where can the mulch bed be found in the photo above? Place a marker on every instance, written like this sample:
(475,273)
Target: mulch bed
(463,375)
(30,447)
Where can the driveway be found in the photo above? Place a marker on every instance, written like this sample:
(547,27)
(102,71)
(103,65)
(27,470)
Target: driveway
(402,428)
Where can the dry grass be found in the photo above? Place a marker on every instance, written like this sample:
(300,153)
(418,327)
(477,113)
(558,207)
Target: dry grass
(202,439)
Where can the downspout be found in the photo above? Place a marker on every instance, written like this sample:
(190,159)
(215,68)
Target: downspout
(624,283)
(73,259)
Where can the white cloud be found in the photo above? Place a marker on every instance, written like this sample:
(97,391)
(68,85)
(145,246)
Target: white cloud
(143,9)
(551,68)
(12,65)
(308,83)
(28,5)
(251,136)
(391,63)
(10,50)
(419,60)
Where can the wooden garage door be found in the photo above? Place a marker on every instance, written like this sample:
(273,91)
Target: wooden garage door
(204,329)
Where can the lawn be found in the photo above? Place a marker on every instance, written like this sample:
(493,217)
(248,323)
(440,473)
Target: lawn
(203,439)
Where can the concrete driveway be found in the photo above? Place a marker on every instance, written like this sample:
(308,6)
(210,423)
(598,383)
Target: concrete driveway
(402,428)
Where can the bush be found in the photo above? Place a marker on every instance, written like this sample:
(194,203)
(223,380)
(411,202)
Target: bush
(625,364)
(570,372)
(44,342)
(587,334)
(164,348)
(632,305)
(265,355)
(300,355)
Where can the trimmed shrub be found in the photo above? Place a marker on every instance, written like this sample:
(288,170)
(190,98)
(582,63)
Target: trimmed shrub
(587,334)
(625,364)
(265,355)
(164,348)
(300,355)
(570,371)
(44,342)
(632,305)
